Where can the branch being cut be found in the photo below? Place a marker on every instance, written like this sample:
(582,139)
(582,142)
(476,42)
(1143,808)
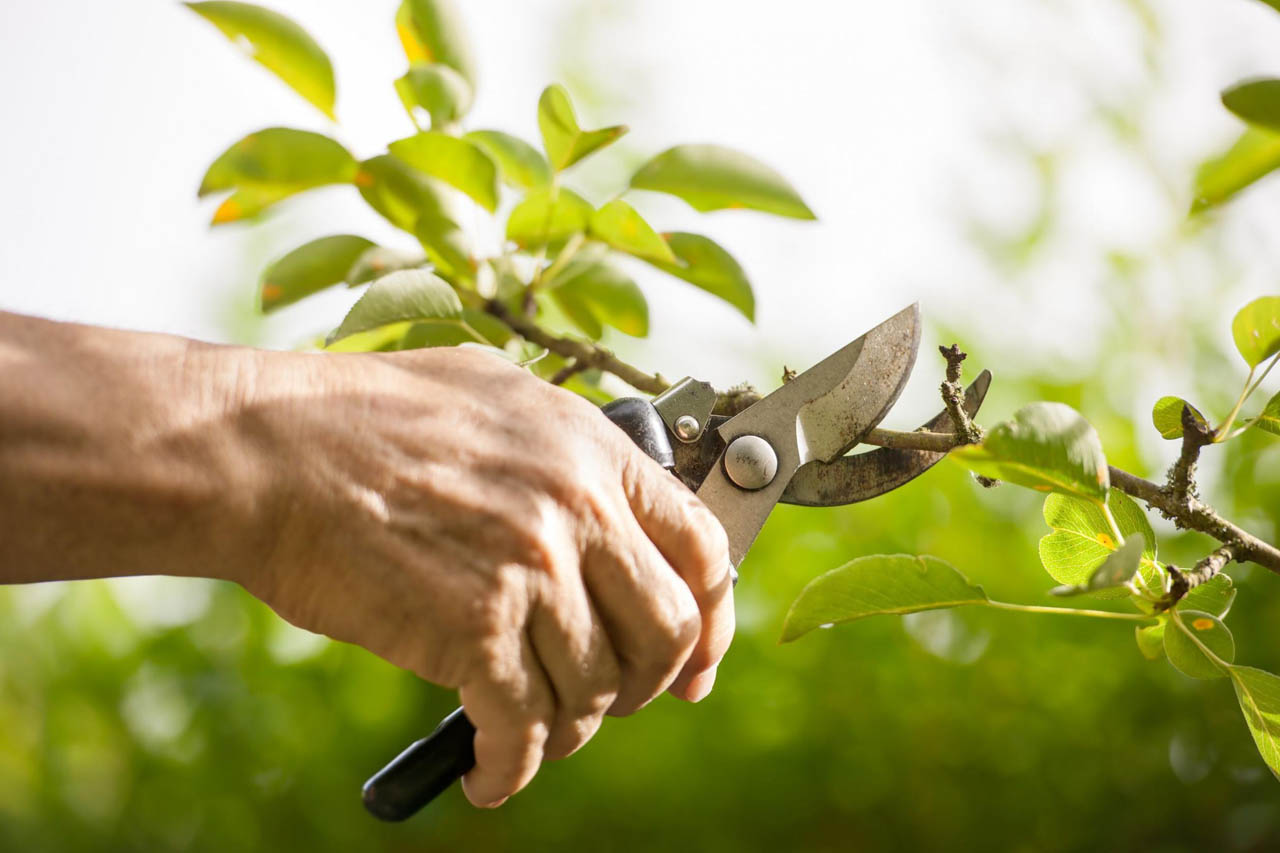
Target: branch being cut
(587,355)
(1189,514)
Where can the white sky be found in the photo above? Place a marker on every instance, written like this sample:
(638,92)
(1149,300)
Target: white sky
(892,119)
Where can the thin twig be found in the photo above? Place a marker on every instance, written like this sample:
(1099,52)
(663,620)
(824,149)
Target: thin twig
(1181,484)
(563,374)
(967,432)
(1180,582)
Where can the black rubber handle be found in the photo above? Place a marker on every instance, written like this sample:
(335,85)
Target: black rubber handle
(429,766)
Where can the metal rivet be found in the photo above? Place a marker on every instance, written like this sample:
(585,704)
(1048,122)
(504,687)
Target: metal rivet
(750,462)
(687,427)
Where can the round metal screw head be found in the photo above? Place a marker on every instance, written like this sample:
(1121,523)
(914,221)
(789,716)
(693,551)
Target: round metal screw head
(686,427)
(750,462)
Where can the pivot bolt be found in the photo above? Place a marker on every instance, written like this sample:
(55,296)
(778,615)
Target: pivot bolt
(687,427)
(750,462)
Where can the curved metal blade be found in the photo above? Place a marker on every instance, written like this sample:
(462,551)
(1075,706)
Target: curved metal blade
(850,479)
(818,415)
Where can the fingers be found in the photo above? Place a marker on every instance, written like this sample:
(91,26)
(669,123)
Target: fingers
(692,540)
(511,705)
(577,656)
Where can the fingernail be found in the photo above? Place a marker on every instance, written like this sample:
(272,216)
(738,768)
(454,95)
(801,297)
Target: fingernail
(701,685)
(495,803)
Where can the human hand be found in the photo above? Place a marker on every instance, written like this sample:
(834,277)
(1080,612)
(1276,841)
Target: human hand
(488,531)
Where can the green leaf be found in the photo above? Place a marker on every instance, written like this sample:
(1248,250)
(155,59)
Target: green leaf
(1268,419)
(401,193)
(413,295)
(1256,330)
(1150,640)
(1253,156)
(590,283)
(1047,447)
(1167,416)
(1082,540)
(277,43)
(1116,570)
(311,268)
(712,177)
(548,216)
(442,92)
(564,140)
(445,244)
(875,585)
(619,225)
(1186,653)
(380,339)
(578,312)
(703,263)
(455,161)
(380,260)
(1214,597)
(272,164)
(431,31)
(520,164)
(1258,692)
(1255,101)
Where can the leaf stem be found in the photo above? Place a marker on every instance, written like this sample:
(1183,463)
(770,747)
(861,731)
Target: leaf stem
(1111,522)
(1221,431)
(1221,664)
(1070,611)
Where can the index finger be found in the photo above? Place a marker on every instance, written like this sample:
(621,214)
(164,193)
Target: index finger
(693,541)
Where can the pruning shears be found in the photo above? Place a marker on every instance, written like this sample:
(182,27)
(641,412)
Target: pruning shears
(788,447)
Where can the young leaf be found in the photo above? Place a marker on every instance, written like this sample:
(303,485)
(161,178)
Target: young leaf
(1259,695)
(442,92)
(1184,647)
(1047,447)
(1082,539)
(1116,570)
(246,203)
(401,193)
(712,177)
(620,226)
(272,164)
(1150,640)
(1253,156)
(278,44)
(455,161)
(565,142)
(1268,419)
(547,216)
(1256,330)
(1166,415)
(1214,597)
(431,31)
(380,339)
(875,585)
(520,164)
(593,284)
(311,268)
(406,295)
(703,263)
(578,312)
(1255,101)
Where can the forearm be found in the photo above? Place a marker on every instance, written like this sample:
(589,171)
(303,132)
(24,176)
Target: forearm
(121,453)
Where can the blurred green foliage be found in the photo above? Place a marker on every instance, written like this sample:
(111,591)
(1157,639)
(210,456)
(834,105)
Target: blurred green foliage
(155,715)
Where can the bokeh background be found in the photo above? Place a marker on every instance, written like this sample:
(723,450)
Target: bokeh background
(1022,168)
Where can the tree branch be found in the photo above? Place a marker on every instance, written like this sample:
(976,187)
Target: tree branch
(585,354)
(1189,514)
